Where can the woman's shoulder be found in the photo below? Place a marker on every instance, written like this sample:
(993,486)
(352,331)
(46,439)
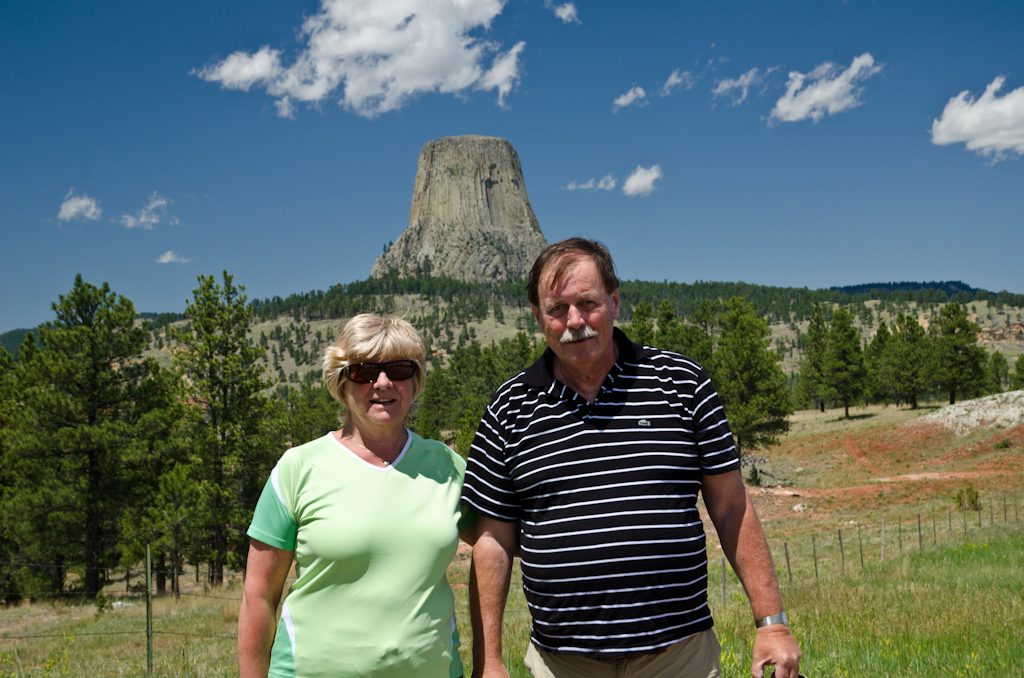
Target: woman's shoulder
(300,455)
(437,449)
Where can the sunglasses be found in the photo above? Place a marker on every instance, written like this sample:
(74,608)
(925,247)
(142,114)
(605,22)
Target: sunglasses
(367,373)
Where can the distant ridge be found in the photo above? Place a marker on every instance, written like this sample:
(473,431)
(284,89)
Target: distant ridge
(950,287)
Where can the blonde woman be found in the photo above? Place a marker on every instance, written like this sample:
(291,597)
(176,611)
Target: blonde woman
(371,515)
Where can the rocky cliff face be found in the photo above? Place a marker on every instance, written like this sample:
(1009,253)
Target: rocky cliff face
(470,214)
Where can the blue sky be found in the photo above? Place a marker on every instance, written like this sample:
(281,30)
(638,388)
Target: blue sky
(780,143)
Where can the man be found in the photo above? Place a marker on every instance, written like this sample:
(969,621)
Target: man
(588,465)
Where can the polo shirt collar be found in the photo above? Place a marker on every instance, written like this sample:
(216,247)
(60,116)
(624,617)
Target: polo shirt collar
(541,374)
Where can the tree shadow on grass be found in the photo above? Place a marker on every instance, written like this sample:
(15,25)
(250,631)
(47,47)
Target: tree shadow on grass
(854,417)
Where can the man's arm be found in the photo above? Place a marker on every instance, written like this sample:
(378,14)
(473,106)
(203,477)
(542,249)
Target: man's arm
(745,546)
(489,576)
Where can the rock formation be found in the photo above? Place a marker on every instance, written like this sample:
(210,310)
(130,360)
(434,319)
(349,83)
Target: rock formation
(470,214)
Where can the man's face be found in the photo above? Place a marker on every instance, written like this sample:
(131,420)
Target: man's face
(577,315)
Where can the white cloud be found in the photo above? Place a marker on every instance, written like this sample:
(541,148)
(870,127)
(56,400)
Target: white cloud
(823,90)
(989,125)
(676,79)
(605,183)
(742,84)
(637,96)
(641,181)
(379,55)
(566,11)
(150,215)
(171,257)
(79,207)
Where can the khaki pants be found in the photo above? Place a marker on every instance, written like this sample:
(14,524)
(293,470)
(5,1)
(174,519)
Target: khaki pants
(693,657)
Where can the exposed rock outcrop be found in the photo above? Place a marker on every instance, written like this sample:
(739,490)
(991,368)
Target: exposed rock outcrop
(470,214)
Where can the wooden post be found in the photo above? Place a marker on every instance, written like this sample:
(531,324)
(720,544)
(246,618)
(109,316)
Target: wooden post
(919,531)
(965,521)
(1005,519)
(991,513)
(814,548)
(899,534)
(842,554)
(935,534)
(723,581)
(149,613)
(979,511)
(881,558)
(860,541)
(785,545)
(949,510)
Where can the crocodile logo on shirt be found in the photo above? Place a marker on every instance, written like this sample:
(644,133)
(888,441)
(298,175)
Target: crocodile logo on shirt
(644,422)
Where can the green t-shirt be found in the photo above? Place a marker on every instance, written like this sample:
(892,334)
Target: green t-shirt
(372,546)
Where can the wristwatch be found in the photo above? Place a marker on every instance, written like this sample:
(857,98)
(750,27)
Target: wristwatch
(779,618)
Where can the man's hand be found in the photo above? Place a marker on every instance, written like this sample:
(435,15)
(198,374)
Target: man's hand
(775,646)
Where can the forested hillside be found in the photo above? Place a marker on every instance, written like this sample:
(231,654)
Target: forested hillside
(120,429)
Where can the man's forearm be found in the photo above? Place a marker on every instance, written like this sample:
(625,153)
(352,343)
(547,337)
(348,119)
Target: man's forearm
(744,544)
(489,578)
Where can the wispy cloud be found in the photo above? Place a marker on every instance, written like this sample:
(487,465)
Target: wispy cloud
(826,89)
(171,257)
(739,87)
(990,125)
(150,215)
(634,97)
(605,183)
(566,11)
(79,207)
(376,56)
(676,79)
(641,181)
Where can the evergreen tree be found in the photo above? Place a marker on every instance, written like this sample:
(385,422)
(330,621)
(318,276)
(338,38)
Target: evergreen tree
(910,347)
(690,340)
(230,438)
(878,357)
(641,327)
(844,370)
(1017,379)
(74,433)
(812,366)
(997,372)
(957,363)
(749,380)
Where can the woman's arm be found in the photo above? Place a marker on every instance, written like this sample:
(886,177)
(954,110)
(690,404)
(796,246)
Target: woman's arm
(265,573)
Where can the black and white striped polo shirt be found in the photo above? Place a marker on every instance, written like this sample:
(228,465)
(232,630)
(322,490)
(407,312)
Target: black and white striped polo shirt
(612,546)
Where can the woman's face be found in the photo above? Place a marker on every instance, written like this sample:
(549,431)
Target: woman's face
(381,405)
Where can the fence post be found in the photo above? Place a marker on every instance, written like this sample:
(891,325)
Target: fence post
(814,548)
(881,558)
(965,521)
(860,541)
(899,534)
(919,531)
(785,545)
(723,581)
(935,533)
(949,511)
(1004,508)
(842,554)
(979,511)
(991,513)
(149,613)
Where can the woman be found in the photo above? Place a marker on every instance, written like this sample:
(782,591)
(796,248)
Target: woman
(371,515)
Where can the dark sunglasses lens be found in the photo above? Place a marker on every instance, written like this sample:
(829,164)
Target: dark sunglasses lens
(400,370)
(367,373)
(363,373)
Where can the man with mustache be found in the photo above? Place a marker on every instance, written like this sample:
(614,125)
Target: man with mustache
(588,466)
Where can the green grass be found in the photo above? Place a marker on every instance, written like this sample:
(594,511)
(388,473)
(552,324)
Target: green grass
(955,608)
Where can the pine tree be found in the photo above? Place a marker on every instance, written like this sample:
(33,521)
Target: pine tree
(1017,378)
(812,366)
(878,358)
(641,327)
(75,432)
(910,348)
(957,363)
(749,380)
(844,370)
(997,372)
(230,435)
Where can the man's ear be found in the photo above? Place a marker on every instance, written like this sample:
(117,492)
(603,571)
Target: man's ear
(536,315)
(615,304)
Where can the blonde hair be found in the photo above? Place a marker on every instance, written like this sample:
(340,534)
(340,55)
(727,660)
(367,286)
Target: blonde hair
(372,338)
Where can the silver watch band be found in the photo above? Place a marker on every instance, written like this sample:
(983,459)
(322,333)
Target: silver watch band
(779,618)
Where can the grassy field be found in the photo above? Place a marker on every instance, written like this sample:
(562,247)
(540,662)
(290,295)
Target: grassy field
(945,601)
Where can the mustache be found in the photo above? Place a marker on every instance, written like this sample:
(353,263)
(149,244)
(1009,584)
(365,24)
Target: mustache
(573,334)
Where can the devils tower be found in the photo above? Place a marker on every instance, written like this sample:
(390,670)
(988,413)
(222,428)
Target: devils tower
(470,214)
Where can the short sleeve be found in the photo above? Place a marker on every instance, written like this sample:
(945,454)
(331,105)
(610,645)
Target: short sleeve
(715,443)
(272,522)
(488,487)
